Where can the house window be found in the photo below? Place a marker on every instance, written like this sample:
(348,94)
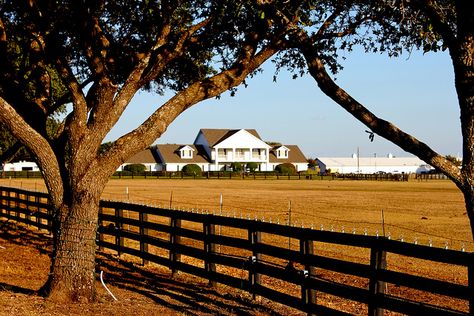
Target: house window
(222,153)
(239,153)
(186,153)
(258,154)
(282,153)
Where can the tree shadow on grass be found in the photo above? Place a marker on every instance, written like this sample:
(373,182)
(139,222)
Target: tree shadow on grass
(182,296)
(186,295)
(16,289)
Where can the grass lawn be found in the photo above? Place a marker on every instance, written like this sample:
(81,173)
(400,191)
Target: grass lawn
(425,212)
(415,210)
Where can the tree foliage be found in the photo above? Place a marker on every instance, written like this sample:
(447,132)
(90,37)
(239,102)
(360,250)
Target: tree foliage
(252,166)
(192,168)
(135,168)
(236,166)
(286,168)
(90,58)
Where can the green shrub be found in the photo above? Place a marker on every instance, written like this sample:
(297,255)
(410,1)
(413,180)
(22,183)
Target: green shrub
(252,166)
(286,168)
(192,168)
(236,166)
(135,168)
(316,170)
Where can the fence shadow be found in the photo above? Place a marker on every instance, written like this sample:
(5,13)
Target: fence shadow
(174,293)
(20,235)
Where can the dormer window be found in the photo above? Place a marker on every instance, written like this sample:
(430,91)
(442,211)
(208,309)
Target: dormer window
(282,152)
(186,152)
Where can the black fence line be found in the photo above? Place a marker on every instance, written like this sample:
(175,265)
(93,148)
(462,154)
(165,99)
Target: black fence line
(123,231)
(268,175)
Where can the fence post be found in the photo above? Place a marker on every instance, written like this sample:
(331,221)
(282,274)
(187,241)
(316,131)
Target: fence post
(470,280)
(16,204)
(119,228)
(49,219)
(209,249)
(308,295)
(1,202)
(100,236)
(143,218)
(376,287)
(27,208)
(2,194)
(255,237)
(38,211)
(175,239)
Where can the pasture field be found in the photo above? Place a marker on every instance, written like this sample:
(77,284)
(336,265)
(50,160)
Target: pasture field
(423,212)
(415,211)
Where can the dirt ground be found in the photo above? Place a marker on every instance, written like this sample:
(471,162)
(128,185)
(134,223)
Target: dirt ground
(150,290)
(24,257)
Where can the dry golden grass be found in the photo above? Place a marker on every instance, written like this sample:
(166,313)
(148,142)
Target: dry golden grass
(430,211)
(422,211)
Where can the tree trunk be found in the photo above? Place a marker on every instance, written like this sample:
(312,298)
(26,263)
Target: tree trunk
(72,275)
(469,201)
(462,55)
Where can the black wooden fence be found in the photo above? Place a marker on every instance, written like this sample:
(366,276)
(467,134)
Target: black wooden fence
(287,264)
(267,175)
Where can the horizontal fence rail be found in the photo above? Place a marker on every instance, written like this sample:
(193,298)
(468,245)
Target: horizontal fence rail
(290,265)
(258,175)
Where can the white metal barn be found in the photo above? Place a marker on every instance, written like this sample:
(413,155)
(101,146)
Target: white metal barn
(21,166)
(370,165)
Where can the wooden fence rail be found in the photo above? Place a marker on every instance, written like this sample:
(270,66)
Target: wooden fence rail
(283,263)
(258,175)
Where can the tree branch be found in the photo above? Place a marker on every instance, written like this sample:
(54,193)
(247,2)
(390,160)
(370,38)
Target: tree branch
(157,67)
(381,127)
(158,122)
(78,117)
(148,68)
(37,144)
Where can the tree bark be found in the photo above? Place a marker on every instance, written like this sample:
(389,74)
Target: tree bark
(462,55)
(72,272)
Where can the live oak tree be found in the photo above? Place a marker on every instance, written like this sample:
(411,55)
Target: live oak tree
(93,57)
(326,28)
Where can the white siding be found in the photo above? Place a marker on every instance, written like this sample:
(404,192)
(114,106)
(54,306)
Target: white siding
(20,166)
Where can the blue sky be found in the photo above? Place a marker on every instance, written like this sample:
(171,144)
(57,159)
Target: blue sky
(415,92)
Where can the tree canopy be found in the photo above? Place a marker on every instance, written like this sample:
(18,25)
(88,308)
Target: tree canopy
(90,58)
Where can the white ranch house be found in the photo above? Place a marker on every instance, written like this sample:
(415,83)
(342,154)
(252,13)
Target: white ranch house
(217,149)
